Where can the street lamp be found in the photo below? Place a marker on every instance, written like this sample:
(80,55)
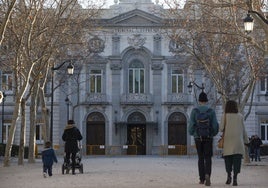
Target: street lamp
(249,22)
(70,70)
(191,84)
(3,96)
(190,88)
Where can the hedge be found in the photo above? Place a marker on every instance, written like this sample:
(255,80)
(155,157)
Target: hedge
(14,150)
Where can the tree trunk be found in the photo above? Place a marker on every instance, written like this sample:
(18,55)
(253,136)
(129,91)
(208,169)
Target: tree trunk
(11,133)
(22,133)
(44,115)
(33,109)
(246,156)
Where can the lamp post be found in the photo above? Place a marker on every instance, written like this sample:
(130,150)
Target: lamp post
(70,70)
(248,25)
(67,101)
(266,94)
(3,96)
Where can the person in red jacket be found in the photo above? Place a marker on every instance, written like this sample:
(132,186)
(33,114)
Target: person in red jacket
(71,136)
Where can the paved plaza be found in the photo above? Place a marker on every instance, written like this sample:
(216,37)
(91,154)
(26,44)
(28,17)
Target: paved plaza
(131,172)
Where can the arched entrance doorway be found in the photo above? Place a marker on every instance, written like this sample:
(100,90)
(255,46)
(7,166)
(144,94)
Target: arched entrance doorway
(136,134)
(177,134)
(95,134)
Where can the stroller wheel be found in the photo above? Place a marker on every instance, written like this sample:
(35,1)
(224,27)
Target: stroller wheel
(81,170)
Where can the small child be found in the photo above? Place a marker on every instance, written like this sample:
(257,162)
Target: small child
(48,156)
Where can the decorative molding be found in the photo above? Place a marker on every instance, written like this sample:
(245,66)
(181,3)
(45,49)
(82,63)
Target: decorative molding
(116,66)
(157,66)
(177,117)
(157,37)
(96,116)
(136,117)
(175,48)
(135,17)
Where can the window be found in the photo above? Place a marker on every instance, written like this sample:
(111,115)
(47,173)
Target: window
(95,81)
(264,132)
(6,128)
(38,134)
(7,82)
(177,81)
(264,84)
(136,77)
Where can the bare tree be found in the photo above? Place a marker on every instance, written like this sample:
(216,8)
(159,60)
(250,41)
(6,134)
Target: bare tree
(36,37)
(211,32)
(256,9)
(7,10)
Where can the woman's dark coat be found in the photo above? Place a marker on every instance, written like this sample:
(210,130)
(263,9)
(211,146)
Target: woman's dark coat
(71,135)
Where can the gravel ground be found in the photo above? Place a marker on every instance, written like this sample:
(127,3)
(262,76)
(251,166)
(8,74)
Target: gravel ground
(131,172)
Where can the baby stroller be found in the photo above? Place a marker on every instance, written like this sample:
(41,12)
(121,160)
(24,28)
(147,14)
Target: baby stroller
(67,167)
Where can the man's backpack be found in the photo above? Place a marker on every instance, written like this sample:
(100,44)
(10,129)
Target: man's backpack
(203,125)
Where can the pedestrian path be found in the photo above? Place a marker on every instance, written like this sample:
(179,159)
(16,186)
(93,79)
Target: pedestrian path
(131,172)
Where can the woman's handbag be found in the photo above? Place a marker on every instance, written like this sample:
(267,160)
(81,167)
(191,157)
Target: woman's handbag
(221,140)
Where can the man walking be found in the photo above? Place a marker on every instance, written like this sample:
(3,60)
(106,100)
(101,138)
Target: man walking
(203,126)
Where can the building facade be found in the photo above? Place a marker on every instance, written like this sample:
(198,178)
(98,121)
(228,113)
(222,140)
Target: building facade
(132,96)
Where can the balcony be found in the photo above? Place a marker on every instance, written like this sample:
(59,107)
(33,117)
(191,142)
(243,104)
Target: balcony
(96,98)
(178,98)
(136,99)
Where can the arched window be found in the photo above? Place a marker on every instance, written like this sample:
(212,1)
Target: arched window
(136,77)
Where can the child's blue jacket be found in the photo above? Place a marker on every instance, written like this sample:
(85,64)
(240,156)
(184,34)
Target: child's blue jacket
(48,156)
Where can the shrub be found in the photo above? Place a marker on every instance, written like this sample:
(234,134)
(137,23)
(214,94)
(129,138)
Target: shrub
(14,150)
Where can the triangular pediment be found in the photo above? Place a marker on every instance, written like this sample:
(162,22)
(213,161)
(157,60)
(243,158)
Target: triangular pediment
(135,18)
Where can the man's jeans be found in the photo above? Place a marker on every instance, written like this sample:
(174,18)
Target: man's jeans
(205,152)
(257,153)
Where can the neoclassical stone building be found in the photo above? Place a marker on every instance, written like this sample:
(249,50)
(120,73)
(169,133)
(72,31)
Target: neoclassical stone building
(136,99)
(132,96)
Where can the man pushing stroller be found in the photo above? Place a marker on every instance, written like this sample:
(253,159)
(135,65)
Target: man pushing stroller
(71,136)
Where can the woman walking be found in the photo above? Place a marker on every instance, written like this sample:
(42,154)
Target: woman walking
(235,138)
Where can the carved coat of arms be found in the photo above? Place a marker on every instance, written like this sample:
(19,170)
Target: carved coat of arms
(96,45)
(136,41)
